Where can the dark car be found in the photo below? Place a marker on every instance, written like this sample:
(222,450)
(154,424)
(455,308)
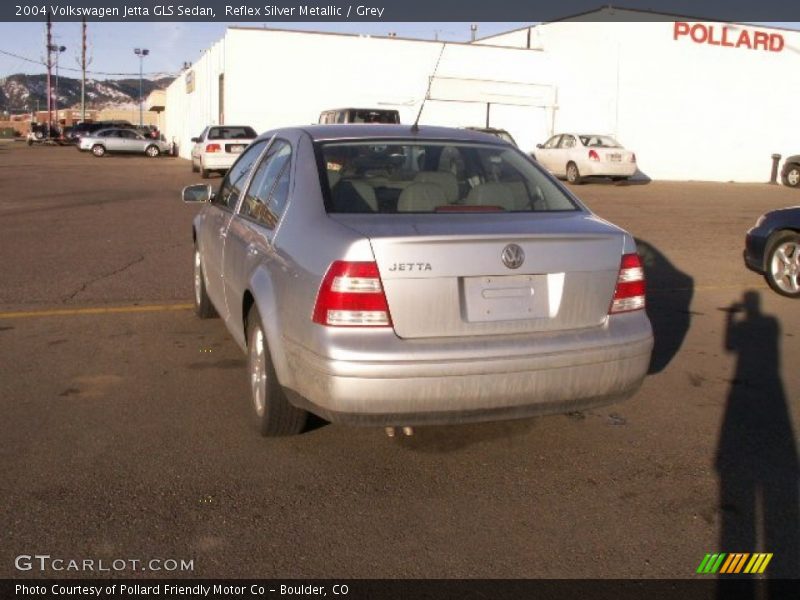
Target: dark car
(790,174)
(90,128)
(772,248)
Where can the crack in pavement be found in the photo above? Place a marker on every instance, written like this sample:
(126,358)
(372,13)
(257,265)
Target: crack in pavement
(86,284)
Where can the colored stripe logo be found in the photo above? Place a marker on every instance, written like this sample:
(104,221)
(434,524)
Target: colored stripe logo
(733,563)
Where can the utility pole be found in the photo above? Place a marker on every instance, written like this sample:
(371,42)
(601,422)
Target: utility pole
(49,68)
(83,71)
(141,53)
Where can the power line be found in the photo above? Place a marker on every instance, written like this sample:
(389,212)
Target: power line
(39,62)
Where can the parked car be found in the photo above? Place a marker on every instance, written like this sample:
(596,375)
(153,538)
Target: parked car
(772,248)
(377,274)
(359,115)
(85,128)
(501,133)
(39,132)
(219,146)
(790,174)
(122,140)
(576,156)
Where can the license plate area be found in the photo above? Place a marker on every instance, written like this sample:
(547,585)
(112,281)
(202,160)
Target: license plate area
(614,157)
(236,148)
(505,298)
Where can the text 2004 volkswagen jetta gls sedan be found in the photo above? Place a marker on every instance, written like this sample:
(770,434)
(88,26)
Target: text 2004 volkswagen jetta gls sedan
(395,275)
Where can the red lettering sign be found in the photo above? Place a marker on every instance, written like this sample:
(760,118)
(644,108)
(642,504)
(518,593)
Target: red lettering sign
(723,36)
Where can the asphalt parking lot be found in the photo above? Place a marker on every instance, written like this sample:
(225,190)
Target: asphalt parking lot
(125,429)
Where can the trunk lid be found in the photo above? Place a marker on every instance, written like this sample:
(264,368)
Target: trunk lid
(445,276)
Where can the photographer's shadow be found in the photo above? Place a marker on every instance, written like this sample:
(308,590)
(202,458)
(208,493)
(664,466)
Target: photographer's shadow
(757,454)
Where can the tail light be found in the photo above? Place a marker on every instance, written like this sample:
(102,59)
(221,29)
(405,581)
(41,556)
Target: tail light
(593,155)
(632,157)
(351,295)
(213,148)
(629,294)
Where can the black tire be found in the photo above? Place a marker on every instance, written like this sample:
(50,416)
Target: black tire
(204,173)
(274,415)
(202,303)
(30,142)
(98,150)
(791,175)
(573,174)
(152,151)
(782,276)
(195,168)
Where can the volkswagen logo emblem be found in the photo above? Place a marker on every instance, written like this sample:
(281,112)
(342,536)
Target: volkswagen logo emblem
(513,256)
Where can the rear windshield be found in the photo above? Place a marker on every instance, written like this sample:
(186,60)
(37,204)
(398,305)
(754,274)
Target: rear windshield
(413,177)
(373,116)
(231,133)
(599,141)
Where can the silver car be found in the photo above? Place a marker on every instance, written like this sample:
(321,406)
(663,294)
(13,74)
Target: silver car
(122,140)
(397,276)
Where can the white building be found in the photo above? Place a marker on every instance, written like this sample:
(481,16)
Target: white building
(694,100)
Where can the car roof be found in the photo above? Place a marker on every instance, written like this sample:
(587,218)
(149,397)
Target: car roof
(370,131)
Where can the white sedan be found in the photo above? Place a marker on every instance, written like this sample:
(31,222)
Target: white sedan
(576,156)
(218,147)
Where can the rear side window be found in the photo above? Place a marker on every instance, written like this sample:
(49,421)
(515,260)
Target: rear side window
(434,177)
(231,187)
(269,189)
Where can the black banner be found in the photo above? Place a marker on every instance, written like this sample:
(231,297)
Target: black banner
(276,11)
(376,589)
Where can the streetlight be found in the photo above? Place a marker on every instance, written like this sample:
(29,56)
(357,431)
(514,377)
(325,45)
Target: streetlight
(58,50)
(141,53)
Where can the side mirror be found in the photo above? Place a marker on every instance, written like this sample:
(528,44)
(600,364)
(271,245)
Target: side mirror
(539,146)
(195,140)
(200,192)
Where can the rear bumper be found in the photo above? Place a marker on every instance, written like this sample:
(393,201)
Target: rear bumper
(590,368)
(609,169)
(218,160)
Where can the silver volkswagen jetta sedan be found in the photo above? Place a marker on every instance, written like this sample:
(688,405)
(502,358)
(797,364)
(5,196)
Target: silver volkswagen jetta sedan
(397,276)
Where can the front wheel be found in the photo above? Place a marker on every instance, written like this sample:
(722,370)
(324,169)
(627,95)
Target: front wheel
(573,174)
(202,303)
(152,151)
(791,177)
(783,264)
(98,150)
(274,414)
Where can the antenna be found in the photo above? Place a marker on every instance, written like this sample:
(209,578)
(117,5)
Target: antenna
(415,126)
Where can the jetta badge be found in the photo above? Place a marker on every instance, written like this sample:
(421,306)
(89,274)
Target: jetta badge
(513,256)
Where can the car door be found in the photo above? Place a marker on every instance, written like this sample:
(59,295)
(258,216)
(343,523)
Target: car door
(197,148)
(249,242)
(544,155)
(114,142)
(216,221)
(131,141)
(565,152)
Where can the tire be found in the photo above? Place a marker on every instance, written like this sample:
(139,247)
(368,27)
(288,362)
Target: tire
(30,141)
(204,173)
(791,177)
(38,135)
(152,151)
(195,168)
(98,150)
(202,303)
(273,413)
(573,174)
(782,265)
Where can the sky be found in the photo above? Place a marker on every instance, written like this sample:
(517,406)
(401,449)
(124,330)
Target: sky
(171,44)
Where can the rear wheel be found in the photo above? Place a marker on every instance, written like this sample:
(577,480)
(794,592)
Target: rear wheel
(204,173)
(274,414)
(98,150)
(792,176)
(195,168)
(573,174)
(202,303)
(152,151)
(783,264)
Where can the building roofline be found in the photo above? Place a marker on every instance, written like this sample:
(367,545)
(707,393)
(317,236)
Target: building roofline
(378,37)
